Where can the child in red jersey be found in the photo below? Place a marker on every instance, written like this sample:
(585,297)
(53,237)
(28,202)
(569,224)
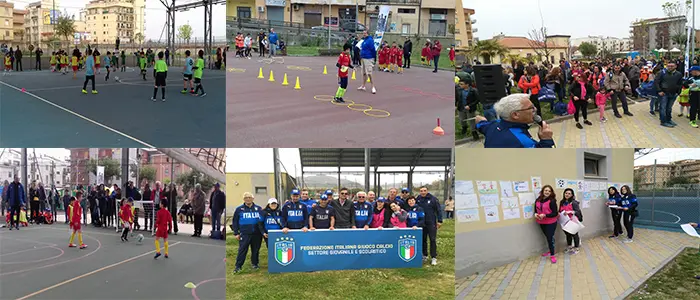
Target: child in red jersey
(164,223)
(126,218)
(75,217)
(393,56)
(399,60)
(452,56)
(343,66)
(381,58)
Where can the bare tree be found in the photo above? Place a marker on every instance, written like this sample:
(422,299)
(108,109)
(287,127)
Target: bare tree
(677,30)
(539,43)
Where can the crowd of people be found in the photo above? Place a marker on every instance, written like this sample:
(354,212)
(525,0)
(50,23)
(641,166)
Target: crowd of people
(267,42)
(102,205)
(622,204)
(364,210)
(570,87)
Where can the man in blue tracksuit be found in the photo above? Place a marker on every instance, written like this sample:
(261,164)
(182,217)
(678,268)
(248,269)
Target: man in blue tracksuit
(363,211)
(310,203)
(16,199)
(433,221)
(295,215)
(246,229)
(273,42)
(416,215)
(368,52)
(270,218)
(516,112)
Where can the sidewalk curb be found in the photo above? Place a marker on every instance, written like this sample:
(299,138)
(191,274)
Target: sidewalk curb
(637,285)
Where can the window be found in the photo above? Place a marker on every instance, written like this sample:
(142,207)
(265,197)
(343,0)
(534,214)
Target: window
(244,12)
(407,10)
(561,55)
(406,29)
(260,190)
(591,167)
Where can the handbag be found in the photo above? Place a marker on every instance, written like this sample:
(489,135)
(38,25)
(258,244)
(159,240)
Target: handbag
(570,108)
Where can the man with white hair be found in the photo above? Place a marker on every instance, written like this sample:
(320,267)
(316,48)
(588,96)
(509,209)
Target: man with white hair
(516,112)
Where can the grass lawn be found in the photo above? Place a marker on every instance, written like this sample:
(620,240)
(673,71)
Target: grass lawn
(444,62)
(424,283)
(676,281)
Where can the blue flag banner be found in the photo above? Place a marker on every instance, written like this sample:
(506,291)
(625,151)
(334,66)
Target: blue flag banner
(344,249)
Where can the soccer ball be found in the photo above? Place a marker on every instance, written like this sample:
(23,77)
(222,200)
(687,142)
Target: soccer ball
(140,238)
(116,78)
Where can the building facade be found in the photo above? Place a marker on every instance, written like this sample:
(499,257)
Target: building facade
(38,27)
(18,26)
(558,47)
(42,168)
(6,22)
(109,19)
(656,33)
(649,177)
(464,31)
(607,43)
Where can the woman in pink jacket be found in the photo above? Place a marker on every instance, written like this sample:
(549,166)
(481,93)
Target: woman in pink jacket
(398,218)
(546,214)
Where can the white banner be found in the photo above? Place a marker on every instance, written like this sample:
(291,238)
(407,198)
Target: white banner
(688,44)
(382,21)
(100,175)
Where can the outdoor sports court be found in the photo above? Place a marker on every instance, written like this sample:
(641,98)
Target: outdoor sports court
(36,263)
(53,110)
(403,113)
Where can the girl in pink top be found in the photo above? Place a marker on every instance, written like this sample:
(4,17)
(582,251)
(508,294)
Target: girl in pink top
(546,214)
(398,218)
(600,99)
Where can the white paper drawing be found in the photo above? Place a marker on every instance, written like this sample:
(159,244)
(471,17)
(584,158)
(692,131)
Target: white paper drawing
(536,183)
(469,215)
(560,183)
(506,188)
(464,187)
(463,201)
(527,198)
(488,199)
(509,202)
(528,211)
(491,213)
(521,186)
(511,213)
(487,187)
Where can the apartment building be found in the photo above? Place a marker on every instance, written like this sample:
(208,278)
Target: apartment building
(43,168)
(464,31)
(6,22)
(647,175)
(18,26)
(108,19)
(39,22)
(607,43)
(655,33)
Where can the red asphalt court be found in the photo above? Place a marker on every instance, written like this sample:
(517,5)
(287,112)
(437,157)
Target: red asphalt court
(267,114)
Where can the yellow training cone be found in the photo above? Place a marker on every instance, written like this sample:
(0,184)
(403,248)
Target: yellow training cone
(190,285)
(284,81)
(325,71)
(353,75)
(297,86)
(272,76)
(260,74)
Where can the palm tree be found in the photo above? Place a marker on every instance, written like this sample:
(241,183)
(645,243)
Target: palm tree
(513,59)
(488,49)
(65,27)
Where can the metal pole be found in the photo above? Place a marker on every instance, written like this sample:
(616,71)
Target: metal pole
(357,16)
(275,158)
(329,35)
(693,35)
(653,193)
(367,162)
(339,187)
(23,171)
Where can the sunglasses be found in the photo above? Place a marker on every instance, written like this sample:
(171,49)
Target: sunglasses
(361,197)
(343,193)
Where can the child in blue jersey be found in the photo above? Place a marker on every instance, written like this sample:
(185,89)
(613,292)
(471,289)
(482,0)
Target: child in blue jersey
(363,211)
(416,215)
(628,208)
(89,72)
(107,62)
(187,73)
(295,215)
(322,215)
(270,218)
(246,230)
(614,200)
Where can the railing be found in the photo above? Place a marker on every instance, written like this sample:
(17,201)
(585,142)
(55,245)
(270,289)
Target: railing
(405,2)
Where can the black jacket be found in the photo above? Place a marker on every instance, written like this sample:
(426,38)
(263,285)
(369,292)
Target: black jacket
(669,82)
(575,90)
(217,201)
(407,47)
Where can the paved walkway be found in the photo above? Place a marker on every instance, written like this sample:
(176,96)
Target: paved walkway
(641,131)
(604,269)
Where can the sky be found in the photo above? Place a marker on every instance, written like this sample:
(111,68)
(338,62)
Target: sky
(254,160)
(156,17)
(575,18)
(59,153)
(665,156)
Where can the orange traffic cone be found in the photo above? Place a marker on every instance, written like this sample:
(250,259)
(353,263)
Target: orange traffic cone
(438,130)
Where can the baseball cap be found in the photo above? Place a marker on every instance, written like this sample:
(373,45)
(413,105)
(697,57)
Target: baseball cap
(324,197)
(295,192)
(404,189)
(272,200)
(381,199)
(329,192)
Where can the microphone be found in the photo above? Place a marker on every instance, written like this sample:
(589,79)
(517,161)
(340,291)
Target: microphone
(538,120)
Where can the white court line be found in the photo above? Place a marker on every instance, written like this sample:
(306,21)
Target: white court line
(664,212)
(135,82)
(78,115)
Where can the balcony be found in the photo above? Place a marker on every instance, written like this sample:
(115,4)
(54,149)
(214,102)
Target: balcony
(393,2)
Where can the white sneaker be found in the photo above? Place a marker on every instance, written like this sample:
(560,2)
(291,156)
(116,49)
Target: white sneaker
(374,91)
(434,261)
(628,240)
(425,258)
(362,88)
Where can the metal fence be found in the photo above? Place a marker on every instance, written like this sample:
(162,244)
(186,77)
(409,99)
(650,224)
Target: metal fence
(667,194)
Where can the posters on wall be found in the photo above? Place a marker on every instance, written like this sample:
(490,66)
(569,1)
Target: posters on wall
(491,213)
(468,215)
(509,202)
(487,187)
(536,183)
(489,199)
(511,213)
(521,186)
(506,188)
(527,198)
(464,187)
(466,201)
(528,211)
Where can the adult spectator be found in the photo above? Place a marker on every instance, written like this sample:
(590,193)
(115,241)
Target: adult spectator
(407,50)
(371,197)
(367,56)
(294,214)
(66,202)
(467,102)
(449,208)
(363,211)
(581,92)
(618,83)
(433,221)
(273,39)
(15,198)
(322,216)
(33,202)
(147,209)
(217,204)
(393,197)
(310,203)
(435,51)
(167,56)
(261,46)
(185,212)
(41,191)
(38,53)
(271,218)
(344,210)
(18,60)
(198,207)
(668,83)
(92,200)
(3,197)
(511,131)
(381,216)
(247,231)
(405,193)
(530,84)
(171,194)
(634,73)
(54,200)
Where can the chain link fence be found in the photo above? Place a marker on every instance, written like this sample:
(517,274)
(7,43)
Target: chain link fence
(668,194)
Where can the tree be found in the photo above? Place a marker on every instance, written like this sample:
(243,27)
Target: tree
(488,49)
(679,180)
(139,37)
(588,50)
(148,173)
(187,181)
(677,31)
(65,27)
(514,59)
(112,167)
(539,42)
(184,32)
